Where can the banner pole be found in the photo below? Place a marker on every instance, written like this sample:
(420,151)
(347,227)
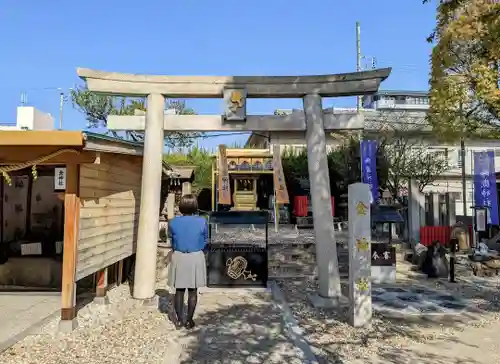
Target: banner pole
(473,200)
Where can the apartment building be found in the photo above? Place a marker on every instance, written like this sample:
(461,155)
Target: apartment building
(404,109)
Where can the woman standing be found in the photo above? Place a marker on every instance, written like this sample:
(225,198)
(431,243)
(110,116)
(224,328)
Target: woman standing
(189,235)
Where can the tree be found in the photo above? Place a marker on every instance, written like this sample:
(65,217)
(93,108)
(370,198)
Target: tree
(404,151)
(197,157)
(465,95)
(97,108)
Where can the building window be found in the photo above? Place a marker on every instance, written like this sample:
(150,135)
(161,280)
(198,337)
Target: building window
(441,153)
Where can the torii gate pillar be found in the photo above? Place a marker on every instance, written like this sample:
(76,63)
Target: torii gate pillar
(149,223)
(319,179)
(312,121)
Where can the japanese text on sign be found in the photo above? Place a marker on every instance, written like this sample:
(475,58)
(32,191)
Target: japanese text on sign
(383,254)
(369,167)
(59,179)
(485,193)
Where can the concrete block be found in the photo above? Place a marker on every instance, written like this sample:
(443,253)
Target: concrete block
(66,326)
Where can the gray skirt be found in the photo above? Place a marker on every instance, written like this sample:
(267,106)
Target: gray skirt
(187,270)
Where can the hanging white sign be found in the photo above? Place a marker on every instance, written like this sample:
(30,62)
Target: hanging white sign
(59,179)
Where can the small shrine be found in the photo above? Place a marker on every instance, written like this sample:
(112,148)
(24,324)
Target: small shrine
(251,181)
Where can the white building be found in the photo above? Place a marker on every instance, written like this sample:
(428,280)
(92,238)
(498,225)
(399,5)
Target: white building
(30,118)
(443,199)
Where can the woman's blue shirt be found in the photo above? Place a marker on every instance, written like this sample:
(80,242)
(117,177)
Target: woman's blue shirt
(188,233)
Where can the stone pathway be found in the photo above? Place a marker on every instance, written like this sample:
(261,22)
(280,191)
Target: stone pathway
(417,300)
(21,312)
(237,327)
(241,327)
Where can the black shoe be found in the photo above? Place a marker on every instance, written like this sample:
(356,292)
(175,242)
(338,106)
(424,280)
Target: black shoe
(178,324)
(189,324)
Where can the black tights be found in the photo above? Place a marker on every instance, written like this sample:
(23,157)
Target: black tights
(179,303)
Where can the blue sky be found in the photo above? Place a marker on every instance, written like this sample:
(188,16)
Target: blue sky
(43,42)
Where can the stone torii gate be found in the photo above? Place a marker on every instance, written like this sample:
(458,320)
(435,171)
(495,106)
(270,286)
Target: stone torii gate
(235,90)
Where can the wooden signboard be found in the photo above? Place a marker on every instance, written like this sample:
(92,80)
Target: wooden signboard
(279,178)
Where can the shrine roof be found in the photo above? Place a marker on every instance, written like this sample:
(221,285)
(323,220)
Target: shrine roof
(385,214)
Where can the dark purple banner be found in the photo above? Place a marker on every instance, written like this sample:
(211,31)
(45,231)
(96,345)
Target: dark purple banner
(485,184)
(369,167)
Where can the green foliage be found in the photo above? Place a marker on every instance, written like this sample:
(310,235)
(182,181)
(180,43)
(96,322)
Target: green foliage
(197,157)
(343,165)
(404,152)
(465,95)
(97,108)
(294,163)
(237,145)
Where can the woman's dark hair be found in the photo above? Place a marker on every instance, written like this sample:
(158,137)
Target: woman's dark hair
(188,205)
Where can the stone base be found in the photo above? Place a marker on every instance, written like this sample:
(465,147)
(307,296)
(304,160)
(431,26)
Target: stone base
(327,302)
(66,326)
(153,301)
(360,322)
(383,275)
(101,300)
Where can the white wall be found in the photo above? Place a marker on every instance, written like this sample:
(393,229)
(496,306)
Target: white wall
(31,119)
(296,141)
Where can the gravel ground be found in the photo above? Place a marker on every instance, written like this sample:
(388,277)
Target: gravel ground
(242,326)
(398,340)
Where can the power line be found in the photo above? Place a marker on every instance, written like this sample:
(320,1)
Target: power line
(206,136)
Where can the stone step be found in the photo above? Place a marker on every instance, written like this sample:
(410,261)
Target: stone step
(291,249)
(291,270)
(296,263)
(292,245)
(294,252)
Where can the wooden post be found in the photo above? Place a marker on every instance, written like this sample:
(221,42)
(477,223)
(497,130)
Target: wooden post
(102,287)
(71,221)
(119,280)
(213,185)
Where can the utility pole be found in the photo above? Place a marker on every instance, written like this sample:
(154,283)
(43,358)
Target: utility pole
(464,179)
(61,106)
(358,58)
